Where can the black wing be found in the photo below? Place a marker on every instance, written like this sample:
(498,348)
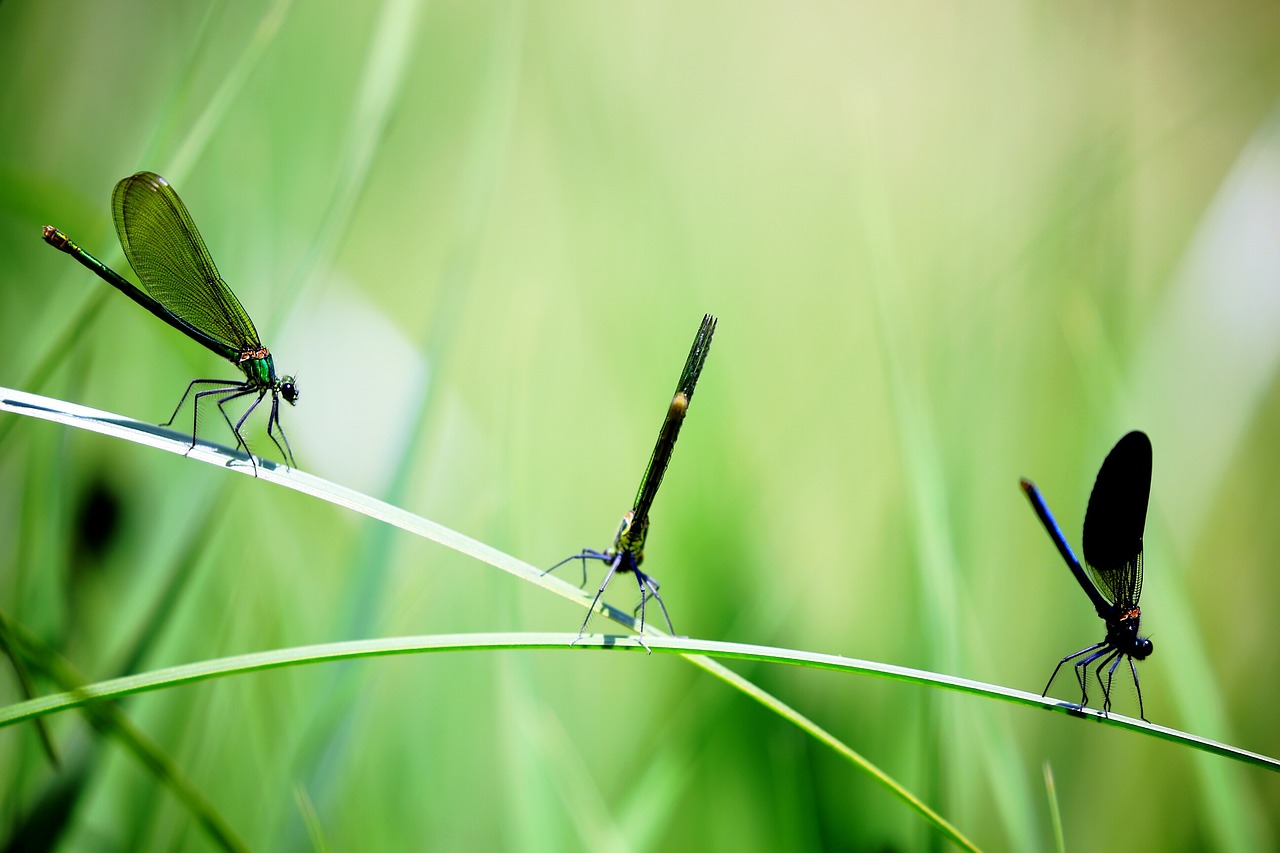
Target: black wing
(1116,517)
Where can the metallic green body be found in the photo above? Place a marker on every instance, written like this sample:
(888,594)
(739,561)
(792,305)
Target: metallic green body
(182,287)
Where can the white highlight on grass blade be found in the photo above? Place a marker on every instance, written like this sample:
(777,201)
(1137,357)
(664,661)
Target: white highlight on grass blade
(162,438)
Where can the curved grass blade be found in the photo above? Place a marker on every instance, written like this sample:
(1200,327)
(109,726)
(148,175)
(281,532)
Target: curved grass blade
(688,647)
(108,718)
(9,648)
(260,661)
(81,417)
(58,411)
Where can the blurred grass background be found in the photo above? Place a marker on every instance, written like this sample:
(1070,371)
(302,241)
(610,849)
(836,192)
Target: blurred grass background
(948,248)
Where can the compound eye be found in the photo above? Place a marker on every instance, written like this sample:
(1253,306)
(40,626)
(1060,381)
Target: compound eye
(289,390)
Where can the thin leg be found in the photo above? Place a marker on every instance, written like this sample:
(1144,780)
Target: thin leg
(1134,670)
(1110,675)
(1082,671)
(653,591)
(640,635)
(613,567)
(1111,657)
(586,554)
(231,390)
(1067,658)
(195,409)
(286,451)
(240,423)
(644,596)
(226,383)
(237,393)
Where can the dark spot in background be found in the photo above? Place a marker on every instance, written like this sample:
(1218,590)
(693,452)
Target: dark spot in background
(99,520)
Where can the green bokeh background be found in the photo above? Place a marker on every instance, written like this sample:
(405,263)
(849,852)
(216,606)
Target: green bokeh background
(948,246)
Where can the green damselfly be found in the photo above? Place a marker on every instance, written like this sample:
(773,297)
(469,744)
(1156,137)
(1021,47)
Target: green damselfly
(181,286)
(628,545)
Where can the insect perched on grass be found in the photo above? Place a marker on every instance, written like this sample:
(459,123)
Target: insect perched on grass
(181,286)
(1113,525)
(628,545)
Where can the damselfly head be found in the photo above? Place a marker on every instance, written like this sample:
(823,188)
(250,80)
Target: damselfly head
(289,390)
